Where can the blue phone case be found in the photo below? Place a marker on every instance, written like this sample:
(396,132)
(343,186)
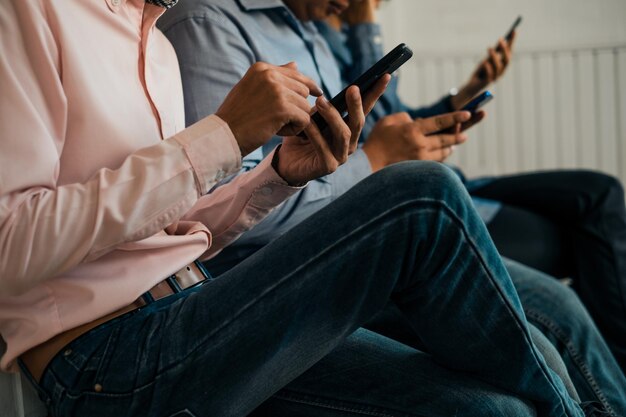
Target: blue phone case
(478,101)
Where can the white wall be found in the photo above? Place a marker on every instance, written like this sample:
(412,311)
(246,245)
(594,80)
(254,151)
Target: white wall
(469,26)
(562,104)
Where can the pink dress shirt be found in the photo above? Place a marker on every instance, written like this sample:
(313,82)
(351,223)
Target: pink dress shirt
(102,192)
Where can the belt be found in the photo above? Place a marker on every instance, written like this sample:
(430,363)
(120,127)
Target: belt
(37,358)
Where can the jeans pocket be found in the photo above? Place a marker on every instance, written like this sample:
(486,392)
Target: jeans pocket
(88,358)
(183,413)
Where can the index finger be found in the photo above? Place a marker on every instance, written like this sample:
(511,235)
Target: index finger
(438,123)
(290,70)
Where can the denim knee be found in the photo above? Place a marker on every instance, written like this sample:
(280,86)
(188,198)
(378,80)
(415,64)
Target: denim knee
(425,180)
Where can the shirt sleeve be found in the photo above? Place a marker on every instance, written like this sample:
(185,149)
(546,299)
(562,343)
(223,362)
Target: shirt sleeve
(47,228)
(229,214)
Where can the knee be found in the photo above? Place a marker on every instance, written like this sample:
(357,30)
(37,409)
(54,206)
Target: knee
(425,179)
(601,190)
(613,190)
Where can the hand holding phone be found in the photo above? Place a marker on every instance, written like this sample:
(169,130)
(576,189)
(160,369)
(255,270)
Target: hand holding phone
(386,65)
(498,57)
(473,106)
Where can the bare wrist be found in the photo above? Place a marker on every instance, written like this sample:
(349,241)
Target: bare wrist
(236,133)
(375,158)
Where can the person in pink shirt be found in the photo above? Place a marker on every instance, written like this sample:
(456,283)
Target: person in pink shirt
(104,209)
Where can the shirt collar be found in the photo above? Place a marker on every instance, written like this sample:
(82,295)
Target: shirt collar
(163,3)
(260,4)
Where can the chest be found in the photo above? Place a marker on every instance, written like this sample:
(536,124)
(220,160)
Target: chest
(276,37)
(123,89)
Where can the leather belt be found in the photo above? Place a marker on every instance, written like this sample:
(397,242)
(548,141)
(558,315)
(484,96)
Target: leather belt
(37,358)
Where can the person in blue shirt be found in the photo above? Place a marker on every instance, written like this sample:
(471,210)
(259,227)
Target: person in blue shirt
(216,42)
(568,224)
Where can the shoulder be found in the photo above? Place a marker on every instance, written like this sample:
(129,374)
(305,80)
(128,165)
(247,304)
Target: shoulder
(221,12)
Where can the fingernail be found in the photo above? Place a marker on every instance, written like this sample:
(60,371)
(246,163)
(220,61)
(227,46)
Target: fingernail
(322,102)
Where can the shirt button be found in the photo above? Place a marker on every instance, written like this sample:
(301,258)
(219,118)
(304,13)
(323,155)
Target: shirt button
(219,175)
(266,191)
(115,2)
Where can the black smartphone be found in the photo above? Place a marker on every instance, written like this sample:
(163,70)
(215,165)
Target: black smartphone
(509,34)
(477,102)
(473,106)
(387,65)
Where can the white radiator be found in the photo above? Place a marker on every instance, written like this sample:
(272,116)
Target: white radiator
(553,109)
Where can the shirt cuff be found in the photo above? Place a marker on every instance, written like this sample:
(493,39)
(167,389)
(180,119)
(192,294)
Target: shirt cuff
(212,151)
(270,189)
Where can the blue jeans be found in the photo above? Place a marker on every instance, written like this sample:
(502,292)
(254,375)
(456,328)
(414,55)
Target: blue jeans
(560,315)
(568,223)
(226,348)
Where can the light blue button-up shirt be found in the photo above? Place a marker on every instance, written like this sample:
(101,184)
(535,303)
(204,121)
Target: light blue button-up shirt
(218,40)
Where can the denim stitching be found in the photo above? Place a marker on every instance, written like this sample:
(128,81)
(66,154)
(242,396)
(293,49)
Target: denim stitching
(525,332)
(327,404)
(541,319)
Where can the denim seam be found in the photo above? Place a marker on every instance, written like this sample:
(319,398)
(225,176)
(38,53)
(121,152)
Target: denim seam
(525,331)
(327,404)
(573,352)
